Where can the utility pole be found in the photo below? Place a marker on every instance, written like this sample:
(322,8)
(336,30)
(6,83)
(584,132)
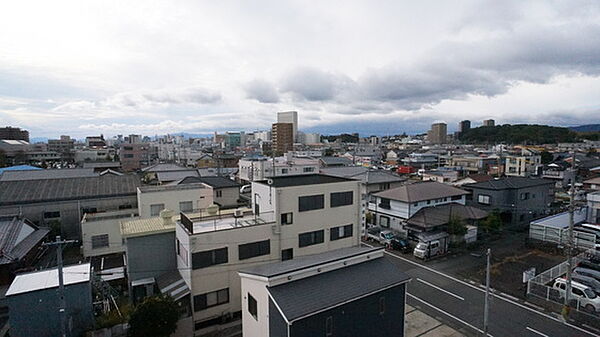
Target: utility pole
(62,306)
(486,309)
(570,239)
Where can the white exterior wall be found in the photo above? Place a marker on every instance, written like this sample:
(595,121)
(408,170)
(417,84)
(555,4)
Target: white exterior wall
(255,285)
(281,237)
(111,227)
(200,197)
(262,169)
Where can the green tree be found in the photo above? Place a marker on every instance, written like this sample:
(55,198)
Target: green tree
(456,226)
(546,157)
(155,317)
(493,223)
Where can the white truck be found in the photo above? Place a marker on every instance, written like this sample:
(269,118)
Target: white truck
(431,244)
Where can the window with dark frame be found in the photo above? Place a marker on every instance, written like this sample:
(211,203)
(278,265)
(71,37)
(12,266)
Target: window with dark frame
(287,254)
(341,198)
(329,326)
(382,305)
(209,258)
(311,202)
(287,218)
(456,197)
(219,193)
(311,238)
(340,232)
(211,299)
(484,199)
(99,241)
(252,307)
(254,249)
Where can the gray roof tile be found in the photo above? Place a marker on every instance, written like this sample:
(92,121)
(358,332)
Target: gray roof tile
(421,191)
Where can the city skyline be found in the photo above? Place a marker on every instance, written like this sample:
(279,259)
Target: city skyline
(196,68)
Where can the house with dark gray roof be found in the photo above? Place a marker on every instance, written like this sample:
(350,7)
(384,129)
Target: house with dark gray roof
(392,208)
(20,241)
(321,294)
(518,199)
(64,201)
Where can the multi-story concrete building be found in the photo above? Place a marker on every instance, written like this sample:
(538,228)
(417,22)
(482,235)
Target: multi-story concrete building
(65,146)
(283,138)
(95,141)
(133,156)
(489,122)
(10,133)
(291,216)
(438,133)
(178,198)
(352,292)
(522,166)
(289,117)
(99,154)
(261,168)
(464,126)
(473,164)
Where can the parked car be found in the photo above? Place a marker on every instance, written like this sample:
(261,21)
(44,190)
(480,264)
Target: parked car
(588,281)
(587,272)
(246,189)
(589,265)
(588,300)
(384,237)
(401,245)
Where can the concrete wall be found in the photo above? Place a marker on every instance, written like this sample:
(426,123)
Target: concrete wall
(35,313)
(229,196)
(200,198)
(281,237)
(112,227)
(150,255)
(71,211)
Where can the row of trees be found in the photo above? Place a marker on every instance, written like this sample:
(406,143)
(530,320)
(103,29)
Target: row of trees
(519,134)
(490,225)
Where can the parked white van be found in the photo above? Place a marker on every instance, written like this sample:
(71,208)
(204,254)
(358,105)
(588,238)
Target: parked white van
(588,300)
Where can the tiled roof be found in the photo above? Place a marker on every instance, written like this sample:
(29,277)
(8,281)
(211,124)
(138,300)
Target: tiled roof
(510,183)
(17,237)
(140,227)
(429,217)
(421,191)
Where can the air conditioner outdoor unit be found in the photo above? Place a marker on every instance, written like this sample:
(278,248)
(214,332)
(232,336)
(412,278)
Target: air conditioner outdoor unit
(238,213)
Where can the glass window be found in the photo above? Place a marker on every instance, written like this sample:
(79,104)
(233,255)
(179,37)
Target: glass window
(209,258)
(99,241)
(483,199)
(287,254)
(308,169)
(252,307)
(287,218)
(341,198)
(156,208)
(186,206)
(340,232)
(254,249)
(329,326)
(219,194)
(211,299)
(311,202)
(311,238)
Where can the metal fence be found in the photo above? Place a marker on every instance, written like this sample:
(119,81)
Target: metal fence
(541,285)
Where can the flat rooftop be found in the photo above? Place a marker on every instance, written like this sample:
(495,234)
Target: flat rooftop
(47,279)
(302,180)
(225,220)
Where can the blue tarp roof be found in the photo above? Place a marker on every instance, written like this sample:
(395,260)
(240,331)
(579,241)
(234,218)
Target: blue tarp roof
(19,168)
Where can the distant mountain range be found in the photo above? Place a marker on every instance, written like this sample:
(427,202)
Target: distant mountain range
(586,128)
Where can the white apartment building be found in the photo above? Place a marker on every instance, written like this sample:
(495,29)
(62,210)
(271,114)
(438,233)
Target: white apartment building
(178,198)
(522,166)
(393,207)
(292,216)
(261,168)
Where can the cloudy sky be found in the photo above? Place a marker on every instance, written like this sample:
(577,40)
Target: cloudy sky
(382,67)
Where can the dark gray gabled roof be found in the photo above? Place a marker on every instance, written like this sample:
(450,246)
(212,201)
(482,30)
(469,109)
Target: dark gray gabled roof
(336,161)
(430,217)
(421,191)
(509,183)
(218,182)
(305,297)
(307,261)
(17,237)
(367,176)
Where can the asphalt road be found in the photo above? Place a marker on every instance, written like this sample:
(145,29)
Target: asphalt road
(462,303)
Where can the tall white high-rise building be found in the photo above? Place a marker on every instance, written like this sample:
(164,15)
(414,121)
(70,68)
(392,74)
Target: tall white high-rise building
(289,117)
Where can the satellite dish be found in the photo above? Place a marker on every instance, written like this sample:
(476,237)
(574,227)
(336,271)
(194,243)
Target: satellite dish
(212,209)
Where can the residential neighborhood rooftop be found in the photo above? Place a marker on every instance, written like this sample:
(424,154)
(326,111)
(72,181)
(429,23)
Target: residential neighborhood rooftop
(47,279)
(510,183)
(421,191)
